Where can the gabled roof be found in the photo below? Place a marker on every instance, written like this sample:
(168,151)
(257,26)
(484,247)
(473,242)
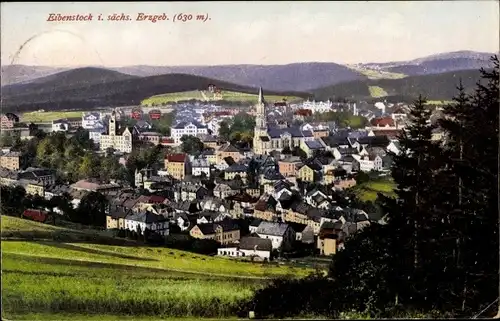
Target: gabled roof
(229,148)
(176,158)
(255,243)
(270,228)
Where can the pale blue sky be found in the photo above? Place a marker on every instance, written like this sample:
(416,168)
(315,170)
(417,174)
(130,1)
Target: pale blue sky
(247,32)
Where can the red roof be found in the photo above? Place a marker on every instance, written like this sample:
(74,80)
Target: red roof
(176,158)
(303,112)
(156,199)
(167,140)
(382,122)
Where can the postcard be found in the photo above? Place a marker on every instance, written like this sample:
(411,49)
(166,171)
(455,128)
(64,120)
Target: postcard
(249,160)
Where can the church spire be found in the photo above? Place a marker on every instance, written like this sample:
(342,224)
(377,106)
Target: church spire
(261,96)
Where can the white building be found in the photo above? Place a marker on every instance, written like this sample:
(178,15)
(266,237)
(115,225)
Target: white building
(199,166)
(249,247)
(317,106)
(190,129)
(60,125)
(280,234)
(92,121)
(153,222)
(120,139)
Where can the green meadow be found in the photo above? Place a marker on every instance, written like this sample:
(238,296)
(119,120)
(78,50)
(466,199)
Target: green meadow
(47,116)
(377,92)
(368,191)
(230,96)
(48,275)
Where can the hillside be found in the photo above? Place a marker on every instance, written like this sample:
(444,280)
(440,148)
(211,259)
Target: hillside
(433,64)
(74,78)
(434,87)
(94,87)
(51,270)
(12,74)
(290,77)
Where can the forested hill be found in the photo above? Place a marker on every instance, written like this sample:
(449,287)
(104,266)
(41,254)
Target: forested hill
(434,87)
(93,87)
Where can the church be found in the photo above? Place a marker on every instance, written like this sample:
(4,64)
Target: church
(119,138)
(266,139)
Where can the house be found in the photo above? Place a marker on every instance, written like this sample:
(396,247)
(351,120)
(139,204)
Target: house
(280,234)
(60,125)
(265,208)
(178,165)
(288,166)
(209,141)
(94,185)
(206,217)
(229,150)
(185,221)
(329,238)
(224,232)
(303,233)
(190,192)
(249,247)
(394,147)
(116,218)
(235,169)
(149,136)
(333,175)
(254,225)
(147,220)
(310,172)
(35,215)
(312,146)
(189,129)
(223,190)
(318,199)
(200,166)
(8,120)
(11,160)
(44,175)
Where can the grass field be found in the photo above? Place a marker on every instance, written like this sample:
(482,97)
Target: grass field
(377,92)
(368,191)
(439,102)
(203,96)
(378,74)
(44,279)
(49,115)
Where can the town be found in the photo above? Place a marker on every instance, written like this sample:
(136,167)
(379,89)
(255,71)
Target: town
(285,192)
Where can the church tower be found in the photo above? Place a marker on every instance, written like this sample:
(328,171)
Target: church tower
(260,124)
(112,124)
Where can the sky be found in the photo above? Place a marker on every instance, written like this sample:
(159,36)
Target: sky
(245,32)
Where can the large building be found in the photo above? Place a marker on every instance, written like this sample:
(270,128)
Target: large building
(268,139)
(187,128)
(118,138)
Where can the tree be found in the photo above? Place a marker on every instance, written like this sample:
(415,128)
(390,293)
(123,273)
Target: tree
(471,172)
(224,130)
(191,145)
(92,209)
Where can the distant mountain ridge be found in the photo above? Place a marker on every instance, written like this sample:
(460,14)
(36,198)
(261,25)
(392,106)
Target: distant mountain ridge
(433,87)
(290,77)
(434,64)
(96,87)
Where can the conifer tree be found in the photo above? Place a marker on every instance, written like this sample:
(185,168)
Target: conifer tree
(411,216)
(471,126)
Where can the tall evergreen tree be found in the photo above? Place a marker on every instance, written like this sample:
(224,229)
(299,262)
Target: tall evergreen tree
(471,126)
(411,216)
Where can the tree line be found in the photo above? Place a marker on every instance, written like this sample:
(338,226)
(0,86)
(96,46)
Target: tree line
(438,253)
